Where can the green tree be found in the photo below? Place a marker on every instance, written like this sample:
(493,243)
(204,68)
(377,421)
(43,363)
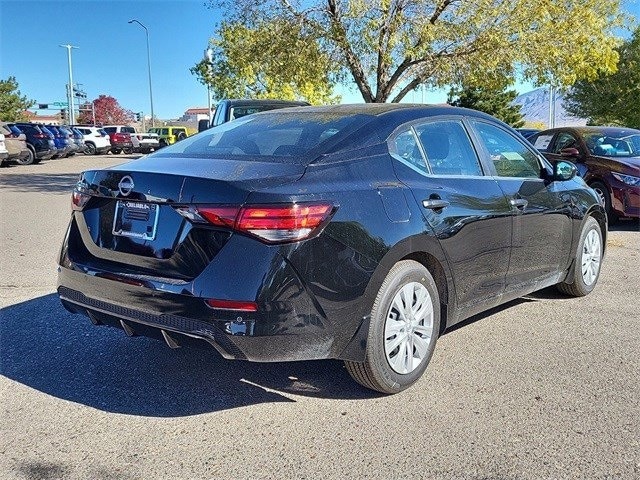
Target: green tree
(611,99)
(390,47)
(12,104)
(273,59)
(108,112)
(496,101)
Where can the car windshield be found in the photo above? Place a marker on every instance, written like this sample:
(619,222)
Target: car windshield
(278,136)
(624,143)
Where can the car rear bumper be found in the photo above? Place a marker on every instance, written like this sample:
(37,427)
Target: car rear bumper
(121,145)
(289,329)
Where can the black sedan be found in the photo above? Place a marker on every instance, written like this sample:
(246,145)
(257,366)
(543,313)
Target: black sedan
(351,232)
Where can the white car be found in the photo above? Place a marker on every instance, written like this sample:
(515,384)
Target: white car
(96,139)
(4,153)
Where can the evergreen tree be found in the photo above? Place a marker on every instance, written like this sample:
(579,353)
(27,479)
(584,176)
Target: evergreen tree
(611,99)
(495,101)
(12,104)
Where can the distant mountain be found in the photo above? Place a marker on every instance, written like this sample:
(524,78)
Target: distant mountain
(535,108)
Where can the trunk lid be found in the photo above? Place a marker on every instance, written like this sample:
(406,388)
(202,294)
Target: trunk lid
(130,223)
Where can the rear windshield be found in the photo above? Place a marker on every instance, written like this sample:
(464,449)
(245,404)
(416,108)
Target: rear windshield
(128,129)
(276,135)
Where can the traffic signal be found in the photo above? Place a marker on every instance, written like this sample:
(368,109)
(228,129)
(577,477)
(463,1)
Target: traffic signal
(138,116)
(63,114)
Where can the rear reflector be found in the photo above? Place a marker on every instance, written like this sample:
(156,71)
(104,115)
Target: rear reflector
(79,200)
(271,223)
(232,305)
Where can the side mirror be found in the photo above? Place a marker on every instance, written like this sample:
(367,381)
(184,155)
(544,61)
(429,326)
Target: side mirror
(570,152)
(564,171)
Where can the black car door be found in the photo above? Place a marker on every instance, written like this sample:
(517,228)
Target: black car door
(541,209)
(464,208)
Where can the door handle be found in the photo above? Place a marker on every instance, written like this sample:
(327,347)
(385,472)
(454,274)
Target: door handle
(519,203)
(435,203)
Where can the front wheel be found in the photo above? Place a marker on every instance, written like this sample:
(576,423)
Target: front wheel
(586,266)
(404,327)
(605,198)
(128,150)
(116,151)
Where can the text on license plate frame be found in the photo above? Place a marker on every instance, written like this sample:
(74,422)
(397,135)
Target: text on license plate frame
(127,229)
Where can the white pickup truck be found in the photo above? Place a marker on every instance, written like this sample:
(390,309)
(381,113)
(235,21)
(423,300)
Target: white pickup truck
(148,141)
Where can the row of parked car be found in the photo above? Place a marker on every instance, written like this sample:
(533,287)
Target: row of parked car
(26,143)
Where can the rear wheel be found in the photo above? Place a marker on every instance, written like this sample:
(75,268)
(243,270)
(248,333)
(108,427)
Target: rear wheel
(91,149)
(128,150)
(586,266)
(405,322)
(116,151)
(605,197)
(29,159)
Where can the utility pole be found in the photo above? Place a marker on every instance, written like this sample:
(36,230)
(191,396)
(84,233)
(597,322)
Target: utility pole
(146,31)
(72,119)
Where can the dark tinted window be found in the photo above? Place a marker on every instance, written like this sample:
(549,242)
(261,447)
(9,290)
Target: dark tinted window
(269,135)
(128,129)
(405,147)
(448,149)
(110,129)
(510,156)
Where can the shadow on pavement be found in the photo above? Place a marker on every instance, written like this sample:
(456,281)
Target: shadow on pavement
(40,182)
(625,225)
(63,355)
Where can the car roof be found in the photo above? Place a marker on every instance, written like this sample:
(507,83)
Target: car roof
(240,102)
(606,130)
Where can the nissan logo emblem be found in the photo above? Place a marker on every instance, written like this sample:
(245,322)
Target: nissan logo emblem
(126,185)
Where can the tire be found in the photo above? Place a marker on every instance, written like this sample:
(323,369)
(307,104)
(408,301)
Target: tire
(163,143)
(116,151)
(603,192)
(91,149)
(29,159)
(389,367)
(587,263)
(128,150)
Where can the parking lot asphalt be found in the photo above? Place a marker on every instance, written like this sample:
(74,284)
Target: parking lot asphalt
(545,387)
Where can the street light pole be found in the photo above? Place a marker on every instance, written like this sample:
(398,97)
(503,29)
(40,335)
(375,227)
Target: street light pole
(72,119)
(148,68)
(208,56)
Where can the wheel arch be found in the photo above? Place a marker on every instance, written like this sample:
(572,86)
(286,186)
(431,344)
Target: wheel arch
(423,249)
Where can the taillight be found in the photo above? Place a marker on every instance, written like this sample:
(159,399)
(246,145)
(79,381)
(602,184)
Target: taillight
(232,305)
(79,200)
(270,223)
(276,223)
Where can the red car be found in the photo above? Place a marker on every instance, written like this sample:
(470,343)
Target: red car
(608,158)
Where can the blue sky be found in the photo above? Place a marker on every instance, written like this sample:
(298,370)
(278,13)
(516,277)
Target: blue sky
(111,58)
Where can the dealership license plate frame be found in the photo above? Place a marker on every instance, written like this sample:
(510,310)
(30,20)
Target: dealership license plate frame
(144,229)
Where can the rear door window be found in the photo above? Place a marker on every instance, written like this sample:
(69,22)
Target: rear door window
(448,148)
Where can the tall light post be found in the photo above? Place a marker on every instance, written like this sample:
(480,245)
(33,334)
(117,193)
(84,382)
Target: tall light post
(148,68)
(72,119)
(208,56)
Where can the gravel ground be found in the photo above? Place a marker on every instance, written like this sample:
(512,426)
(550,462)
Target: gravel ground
(545,387)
